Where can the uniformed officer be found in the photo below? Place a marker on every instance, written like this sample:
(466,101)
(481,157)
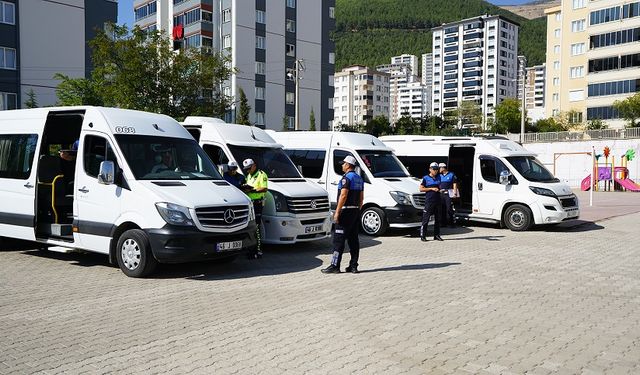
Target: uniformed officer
(430,185)
(346,217)
(232,176)
(449,188)
(256,188)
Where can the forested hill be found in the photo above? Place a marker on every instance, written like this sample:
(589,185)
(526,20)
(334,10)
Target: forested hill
(369,32)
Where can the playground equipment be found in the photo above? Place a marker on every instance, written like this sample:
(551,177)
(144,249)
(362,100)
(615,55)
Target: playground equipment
(615,178)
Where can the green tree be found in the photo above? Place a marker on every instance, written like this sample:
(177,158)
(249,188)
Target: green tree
(406,125)
(468,113)
(31,101)
(548,125)
(243,111)
(596,124)
(285,124)
(312,120)
(629,109)
(378,126)
(508,115)
(137,70)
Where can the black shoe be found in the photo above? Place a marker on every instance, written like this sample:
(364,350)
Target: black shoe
(331,269)
(423,239)
(254,256)
(438,238)
(352,269)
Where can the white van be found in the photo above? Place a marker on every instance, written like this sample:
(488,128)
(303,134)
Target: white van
(295,210)
(391,196)
(499,180)
(140,188)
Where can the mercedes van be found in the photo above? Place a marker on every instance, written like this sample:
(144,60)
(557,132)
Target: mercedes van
(295,210)
(137,188)
(391,196)
(499,180)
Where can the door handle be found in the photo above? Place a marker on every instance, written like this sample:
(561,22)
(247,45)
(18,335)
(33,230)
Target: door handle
(334,183)
(28,185)
(83,190)
(479,185)
(320,182)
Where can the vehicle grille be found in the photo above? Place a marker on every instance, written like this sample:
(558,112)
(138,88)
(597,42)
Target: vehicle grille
(219,217)
(418,200)
(568,202)
(308,205)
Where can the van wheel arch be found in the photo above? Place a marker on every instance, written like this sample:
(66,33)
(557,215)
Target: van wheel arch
(377,210)
(523,211)
(115,237)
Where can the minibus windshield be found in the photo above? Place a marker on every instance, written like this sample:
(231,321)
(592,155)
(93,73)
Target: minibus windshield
(273,161)
(166,158)
(382,163)
(531,169)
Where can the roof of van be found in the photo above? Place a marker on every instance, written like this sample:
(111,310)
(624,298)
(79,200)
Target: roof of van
(325,139)
(215,129)
(421,145)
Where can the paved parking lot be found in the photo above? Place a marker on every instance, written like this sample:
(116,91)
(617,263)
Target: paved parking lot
(564,300)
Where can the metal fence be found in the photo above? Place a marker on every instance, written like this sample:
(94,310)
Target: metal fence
(586,135)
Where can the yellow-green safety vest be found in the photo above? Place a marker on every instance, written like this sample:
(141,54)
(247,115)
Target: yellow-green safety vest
(257,181)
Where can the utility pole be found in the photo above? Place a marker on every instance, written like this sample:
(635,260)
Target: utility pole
(522,110)
(299,67)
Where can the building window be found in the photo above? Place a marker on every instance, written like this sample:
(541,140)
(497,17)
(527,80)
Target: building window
(604,15)
(332,12)
(207,16)
(291,50)
(558,17)
(291,26)
(291,122)
(260,93)
(556,33)
(290,98)
(330,104)
(556,97)
(577,26)
(260,16)
(187,18)
(260,42)
(145,10)
(226,41)
(631,10)
(332,58)
(576,95)
(576,72)
(7,58)
(577,4)
(556,48)
(259,118)
(577,49)
(615,38)
(603,113)
(7,13)
(556,65)
(226,15)
(260,67)
(613,88)
(291,3)
(556,81)
(331,80)
(8,101)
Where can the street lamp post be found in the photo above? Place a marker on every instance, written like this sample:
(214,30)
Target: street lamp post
(522,109)
(299,67)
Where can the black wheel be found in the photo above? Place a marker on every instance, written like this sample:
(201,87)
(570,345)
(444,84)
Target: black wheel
(134,254)
(373,221)
(518,218)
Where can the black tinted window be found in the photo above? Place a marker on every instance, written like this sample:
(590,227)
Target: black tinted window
(16,155)
(338,157)
(216,154)
(491,168)
(312,161)
(97,150)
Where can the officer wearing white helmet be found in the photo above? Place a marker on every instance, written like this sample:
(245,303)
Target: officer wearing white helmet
(430,185)
(346,217)
(232,176)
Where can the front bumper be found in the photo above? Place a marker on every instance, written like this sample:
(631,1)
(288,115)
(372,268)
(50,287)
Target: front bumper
(552,212)
(173,244)
(292,229)
(403,216)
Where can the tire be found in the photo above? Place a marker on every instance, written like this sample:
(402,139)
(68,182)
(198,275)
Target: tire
(134,254)
(518,218)
(373,221)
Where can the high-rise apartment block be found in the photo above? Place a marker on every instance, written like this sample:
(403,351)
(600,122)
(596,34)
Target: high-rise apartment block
(414,100)
(593,58)
(427,69)
(361,94)
(264,39)
(412,60)
(535,92)
(474,60)
(400,75)
(39,38)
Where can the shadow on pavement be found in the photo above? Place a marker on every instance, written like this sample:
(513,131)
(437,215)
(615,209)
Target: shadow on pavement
(10,244)
(411,267)
(488,238)
(571,226)
(75,258)
(445,231)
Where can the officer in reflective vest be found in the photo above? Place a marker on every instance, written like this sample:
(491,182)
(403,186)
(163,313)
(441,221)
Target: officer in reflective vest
(449,188)
(256,188)
(346,217)
(430,185)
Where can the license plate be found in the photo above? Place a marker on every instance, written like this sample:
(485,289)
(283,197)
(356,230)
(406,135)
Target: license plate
(313,229)
(226,246)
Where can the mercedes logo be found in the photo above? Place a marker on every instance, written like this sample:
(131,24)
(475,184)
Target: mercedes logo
(314,204)
(229,216)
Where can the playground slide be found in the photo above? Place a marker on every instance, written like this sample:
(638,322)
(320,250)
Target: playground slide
(586,183)
(626,183)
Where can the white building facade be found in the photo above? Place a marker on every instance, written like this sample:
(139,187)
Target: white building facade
(361,94)
(427,69)
(400,75)
(414,100)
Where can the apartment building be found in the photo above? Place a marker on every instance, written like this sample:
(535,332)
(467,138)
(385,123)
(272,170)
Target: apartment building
(535,92)
(264,39)
(414,100)
(474,60)
(427,69)
(400,75)
(31,53)
(361,94)
(593,58)
(412,60)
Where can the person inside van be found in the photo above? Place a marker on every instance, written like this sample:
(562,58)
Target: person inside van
(232,176)
(165,163)
(68,165)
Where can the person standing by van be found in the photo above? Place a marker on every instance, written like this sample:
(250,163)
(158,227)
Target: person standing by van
(346,217)
(430,185)
(232,176)
(449,189)
(256,187)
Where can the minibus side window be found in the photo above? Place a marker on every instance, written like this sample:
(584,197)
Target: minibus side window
(97,150)
(216,154)
(312,161)
(491,168)
(338,157)
(16,155)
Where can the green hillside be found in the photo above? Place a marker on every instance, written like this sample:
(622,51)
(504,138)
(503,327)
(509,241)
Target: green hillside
(369,32)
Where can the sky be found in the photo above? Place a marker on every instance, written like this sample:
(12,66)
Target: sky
(125,9)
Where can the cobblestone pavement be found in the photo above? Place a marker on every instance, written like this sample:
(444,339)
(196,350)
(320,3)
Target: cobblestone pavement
(485,301)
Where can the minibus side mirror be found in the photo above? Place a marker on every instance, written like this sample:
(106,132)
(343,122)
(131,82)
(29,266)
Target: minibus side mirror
(505,177)
(107,173)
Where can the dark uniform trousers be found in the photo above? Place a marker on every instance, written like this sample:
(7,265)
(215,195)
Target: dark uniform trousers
(447,209)
(431,208)
(346,229)
(258,205)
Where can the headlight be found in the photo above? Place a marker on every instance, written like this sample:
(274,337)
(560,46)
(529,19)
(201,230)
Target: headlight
(543,191)
(401,198)
(252,212)
(174,214)
(279,201)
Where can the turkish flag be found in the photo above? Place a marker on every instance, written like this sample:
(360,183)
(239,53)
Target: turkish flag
(178,32)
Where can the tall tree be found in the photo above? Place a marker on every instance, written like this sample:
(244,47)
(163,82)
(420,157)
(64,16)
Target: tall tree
(508,115)
(312,120)
(243,111)
(77,91)
(31,101)
(468,113)
(285,124)
(629,109)
(378,126)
